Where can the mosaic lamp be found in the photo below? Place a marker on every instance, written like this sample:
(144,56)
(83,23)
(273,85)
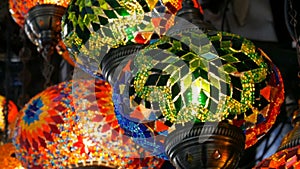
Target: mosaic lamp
(288,154)
(41,20)
(8,116)
(92,28)
(229,97)
(73,125)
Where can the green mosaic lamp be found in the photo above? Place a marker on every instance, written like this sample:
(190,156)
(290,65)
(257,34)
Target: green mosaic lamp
(215,104)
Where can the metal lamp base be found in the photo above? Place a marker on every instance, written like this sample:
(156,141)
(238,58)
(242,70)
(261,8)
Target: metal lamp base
(114,57)
(94,165)
(43,26)
(194,16)
(205,146)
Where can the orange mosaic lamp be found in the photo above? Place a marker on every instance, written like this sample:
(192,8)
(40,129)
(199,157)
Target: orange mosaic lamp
(41,20)
(7,157)
(73,125)
(12,115)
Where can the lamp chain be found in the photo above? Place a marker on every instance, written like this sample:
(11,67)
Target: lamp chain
(293,14)
(296,39)
(47,73)
(5,112)
(293,22)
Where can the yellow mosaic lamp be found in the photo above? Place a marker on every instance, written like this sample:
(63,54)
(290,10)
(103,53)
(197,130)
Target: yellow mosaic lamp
(73,125)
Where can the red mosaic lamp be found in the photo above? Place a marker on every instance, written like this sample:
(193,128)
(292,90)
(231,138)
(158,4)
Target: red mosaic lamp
(73,125)
(286,158)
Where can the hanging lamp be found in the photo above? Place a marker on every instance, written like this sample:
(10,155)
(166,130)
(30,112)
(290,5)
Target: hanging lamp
(8,116)
(237,92)
(286,158)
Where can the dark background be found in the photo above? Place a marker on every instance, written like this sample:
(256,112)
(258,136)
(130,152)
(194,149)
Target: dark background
(21,77)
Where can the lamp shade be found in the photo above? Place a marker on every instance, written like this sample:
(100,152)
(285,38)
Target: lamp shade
(73,125)
(7,157)
(198,78)
(92,28)
(11,117)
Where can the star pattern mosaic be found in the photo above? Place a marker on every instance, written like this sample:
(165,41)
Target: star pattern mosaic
(213,76)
